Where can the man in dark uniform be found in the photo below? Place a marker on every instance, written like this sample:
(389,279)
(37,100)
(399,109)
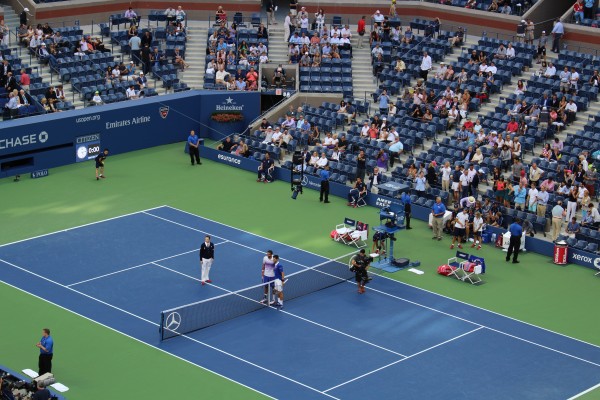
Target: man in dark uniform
(516,232)
(207,255)
(100,164)
(360,265)
(193,144)
(405,198)
(324,174)
(265,170)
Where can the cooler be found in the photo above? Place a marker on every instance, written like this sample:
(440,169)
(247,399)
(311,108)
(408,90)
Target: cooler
(561,252)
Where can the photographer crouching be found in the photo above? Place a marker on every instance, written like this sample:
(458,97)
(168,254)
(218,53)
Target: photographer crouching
(360,265)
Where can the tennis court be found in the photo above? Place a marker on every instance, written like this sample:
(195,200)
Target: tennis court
(397,340)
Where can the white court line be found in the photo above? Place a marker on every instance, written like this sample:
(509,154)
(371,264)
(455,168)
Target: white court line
(543,347)
(81,226)
(185,336)
(221,237)
(138,266)
(134,338)
(393,280)
(485,309)
(288,313)
(584,392)
(399,361)
(241,230)
(415,303)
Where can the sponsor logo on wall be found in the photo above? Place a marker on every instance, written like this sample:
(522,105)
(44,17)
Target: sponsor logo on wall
(24,140)
(229,159)
(88,118)
(229,104)
(87,147)
(163,111)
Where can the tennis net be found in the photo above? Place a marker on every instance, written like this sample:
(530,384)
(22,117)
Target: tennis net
(192,317)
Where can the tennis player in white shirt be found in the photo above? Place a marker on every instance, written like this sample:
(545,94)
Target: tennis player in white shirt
(268,273)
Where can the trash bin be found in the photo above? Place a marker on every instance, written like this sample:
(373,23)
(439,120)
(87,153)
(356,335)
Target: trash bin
(561,252)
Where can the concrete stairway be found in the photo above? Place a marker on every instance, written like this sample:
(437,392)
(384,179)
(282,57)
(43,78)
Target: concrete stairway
(195,53)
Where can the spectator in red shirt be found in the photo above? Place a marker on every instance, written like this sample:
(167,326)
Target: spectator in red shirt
(468,124)
(512,126)
(578,11)
(25,80)
(361,30)
(252,79)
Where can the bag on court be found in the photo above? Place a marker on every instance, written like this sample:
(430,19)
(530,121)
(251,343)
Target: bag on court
(445,269)
(334,235)
(499,241)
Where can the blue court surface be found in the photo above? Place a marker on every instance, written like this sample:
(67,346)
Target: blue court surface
(396,341)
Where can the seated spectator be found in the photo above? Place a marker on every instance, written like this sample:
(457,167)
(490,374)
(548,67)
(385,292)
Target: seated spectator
(240,149)
(592,217)
(131,15)
(595,79)
(574,81)
(458,38)
(322,161)
(510,52)
(573,228)
(131,93)
(178,60)
(493,7)
(221,75)
(501,52)
(226,145)
(506,9)
(313,159)
(96,100)
(43,54)
(142,81)
(571,111)
(441,72)
(471,4)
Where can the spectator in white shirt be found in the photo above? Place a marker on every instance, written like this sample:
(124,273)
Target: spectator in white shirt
(322,161)
(571,111)
(377,50)
(491,68)
(364,132)
(510,51)
(550,71)
(574,81)
(131,93)
(378,17)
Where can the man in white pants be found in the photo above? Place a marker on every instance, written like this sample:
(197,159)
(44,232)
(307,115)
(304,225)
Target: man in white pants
(207,255)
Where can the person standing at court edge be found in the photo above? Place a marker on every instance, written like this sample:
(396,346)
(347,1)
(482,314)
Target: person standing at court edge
(194,142)
(207,256)
(46,346)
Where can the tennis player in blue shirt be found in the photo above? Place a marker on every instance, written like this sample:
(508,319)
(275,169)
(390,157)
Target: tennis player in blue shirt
(46,346)
(516,232)
(278,283)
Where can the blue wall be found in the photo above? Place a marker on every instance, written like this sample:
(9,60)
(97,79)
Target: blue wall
(51,140)
(532,244)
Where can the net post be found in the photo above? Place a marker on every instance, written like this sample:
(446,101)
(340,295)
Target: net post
(269,293)
(161,327)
